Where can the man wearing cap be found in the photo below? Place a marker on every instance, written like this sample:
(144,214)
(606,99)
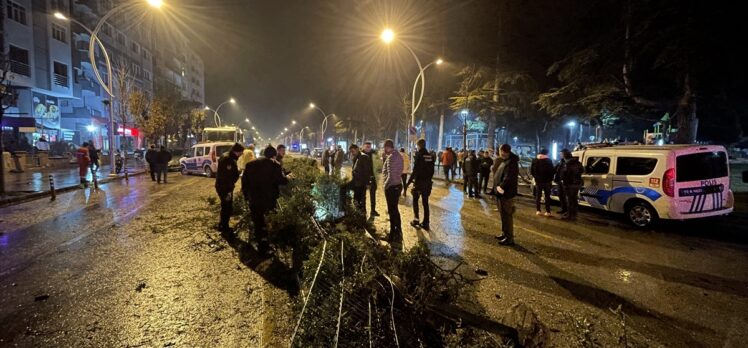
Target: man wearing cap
(260,185)
(226,177)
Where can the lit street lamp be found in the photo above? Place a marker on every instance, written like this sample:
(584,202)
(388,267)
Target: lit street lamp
(323,126)
(388,36)
(109,86)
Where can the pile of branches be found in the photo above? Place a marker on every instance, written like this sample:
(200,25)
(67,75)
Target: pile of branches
(355,292)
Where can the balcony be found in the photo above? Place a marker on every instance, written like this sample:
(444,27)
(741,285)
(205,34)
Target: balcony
(60,80)
(20,68)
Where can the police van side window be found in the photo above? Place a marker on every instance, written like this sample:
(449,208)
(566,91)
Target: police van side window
(597,165)
(635,166)
(199,151)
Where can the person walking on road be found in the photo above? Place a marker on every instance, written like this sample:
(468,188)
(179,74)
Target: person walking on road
(506,181)
(485,171)
(162,163)
(406,170)
(84,160)
(226,177)
(571,179)
(93,153)
(557,179)
(542,172)
(393,185)
(262,192)
(448,162)
(470,175)
(373,180)
(423,174)
(338,160)
(326,161)
(150,158)
(360,176)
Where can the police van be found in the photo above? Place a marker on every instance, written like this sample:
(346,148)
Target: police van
(651,182)
(203,158)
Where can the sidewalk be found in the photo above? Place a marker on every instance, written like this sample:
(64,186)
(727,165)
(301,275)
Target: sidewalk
(34,182)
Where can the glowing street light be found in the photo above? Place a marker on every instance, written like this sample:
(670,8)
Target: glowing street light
(155,3)
(91,128)
(293,122)
(439,61)
(387,35)
(571,124)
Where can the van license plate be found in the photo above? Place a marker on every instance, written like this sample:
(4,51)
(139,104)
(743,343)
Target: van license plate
(704,190)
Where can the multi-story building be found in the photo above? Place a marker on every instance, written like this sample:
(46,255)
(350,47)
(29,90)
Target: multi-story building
(58,94)
(39,49)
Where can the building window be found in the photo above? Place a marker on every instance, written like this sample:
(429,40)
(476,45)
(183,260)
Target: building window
(147,75)
(16,12)
(60,74)
(146,54)
(19,61)
(135,47)
(121,38)
(59,33)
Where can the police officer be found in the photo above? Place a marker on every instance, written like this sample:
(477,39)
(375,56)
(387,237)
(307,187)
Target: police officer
(423,173)
(226,177)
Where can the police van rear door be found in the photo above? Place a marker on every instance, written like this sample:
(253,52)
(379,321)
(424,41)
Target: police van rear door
(702,179)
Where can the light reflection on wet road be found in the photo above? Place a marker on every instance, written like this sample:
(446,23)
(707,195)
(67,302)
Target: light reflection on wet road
(680,284)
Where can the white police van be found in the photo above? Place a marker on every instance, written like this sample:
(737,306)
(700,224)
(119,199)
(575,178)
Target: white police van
(203,158)
(650,182)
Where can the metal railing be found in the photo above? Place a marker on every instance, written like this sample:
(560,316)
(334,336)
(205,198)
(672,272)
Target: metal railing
(61,80)
(20,68)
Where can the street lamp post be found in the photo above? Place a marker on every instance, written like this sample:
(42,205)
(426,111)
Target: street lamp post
(109,87)
(216,115)
(323,126)
(388,36)
(464,114)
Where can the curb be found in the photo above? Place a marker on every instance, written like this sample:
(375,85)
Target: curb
(36,195)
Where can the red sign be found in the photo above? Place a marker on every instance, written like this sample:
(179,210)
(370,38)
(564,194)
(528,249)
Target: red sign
(129,132)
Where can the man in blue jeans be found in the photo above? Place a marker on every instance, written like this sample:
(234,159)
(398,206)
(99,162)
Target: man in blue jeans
(393,186)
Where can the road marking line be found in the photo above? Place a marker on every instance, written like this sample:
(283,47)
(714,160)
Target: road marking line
(550,237)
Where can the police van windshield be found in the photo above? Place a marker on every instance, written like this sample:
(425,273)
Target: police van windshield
(701,166)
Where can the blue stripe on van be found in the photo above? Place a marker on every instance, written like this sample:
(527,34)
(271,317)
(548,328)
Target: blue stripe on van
(603,195)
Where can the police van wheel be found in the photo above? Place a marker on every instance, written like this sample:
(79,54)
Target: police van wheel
(183,170)
(641,214)
(208,171)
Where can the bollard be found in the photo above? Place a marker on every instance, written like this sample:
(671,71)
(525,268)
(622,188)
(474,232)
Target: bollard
(52,188)
(127,178)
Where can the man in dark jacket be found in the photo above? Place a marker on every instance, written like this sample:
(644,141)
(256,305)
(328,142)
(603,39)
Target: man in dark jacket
(260,184)
(505,182)
(226,177)
(162,163)
(150,158)
(360,176)
(373,180)
(470,167)
(423,173)
(542,171)
(93,153)
(571,179)
(485,171)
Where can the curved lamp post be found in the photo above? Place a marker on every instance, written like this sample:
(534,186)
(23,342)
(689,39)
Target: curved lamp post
(388,36)
(323,126)
(216,115)
(109,89)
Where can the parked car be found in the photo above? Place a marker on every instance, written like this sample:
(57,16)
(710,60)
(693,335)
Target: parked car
(317,152)
(651,182)
(203,158)
(176,155)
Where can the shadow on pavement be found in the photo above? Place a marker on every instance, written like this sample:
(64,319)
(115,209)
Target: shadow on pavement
(588,293)
(272,269)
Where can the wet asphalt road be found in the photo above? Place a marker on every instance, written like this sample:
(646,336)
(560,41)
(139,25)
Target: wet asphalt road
(680,284)
(130,265)
(138,265)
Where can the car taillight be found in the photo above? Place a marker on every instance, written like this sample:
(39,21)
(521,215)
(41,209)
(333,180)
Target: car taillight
(668,182)
(213,156)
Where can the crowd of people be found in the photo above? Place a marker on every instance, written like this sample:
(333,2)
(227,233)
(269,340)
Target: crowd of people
(482,173)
